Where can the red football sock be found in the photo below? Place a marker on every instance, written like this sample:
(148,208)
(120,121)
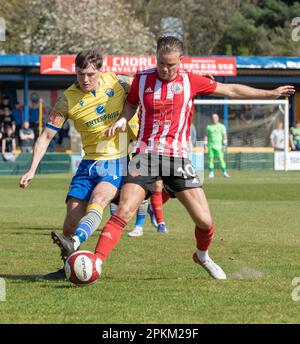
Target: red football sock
(204,237)
(165,196)
(109,237)
(157,206)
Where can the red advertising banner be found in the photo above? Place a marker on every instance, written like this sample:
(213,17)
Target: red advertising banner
(51,64)
(219,66)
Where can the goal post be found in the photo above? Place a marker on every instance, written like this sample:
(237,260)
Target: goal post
(271,110)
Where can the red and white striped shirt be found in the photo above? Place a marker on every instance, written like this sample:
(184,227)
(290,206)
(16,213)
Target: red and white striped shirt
(166,109)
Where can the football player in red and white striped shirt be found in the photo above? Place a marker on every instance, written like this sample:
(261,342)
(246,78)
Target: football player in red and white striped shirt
(165,95)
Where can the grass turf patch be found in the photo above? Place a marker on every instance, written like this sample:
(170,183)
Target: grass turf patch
(152,279)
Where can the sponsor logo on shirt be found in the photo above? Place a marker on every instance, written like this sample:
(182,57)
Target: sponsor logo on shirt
(100,109)
(102,119)
(149,90)
(177,88)
(110,92)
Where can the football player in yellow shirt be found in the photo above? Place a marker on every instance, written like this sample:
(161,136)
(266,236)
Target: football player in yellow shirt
(94,103)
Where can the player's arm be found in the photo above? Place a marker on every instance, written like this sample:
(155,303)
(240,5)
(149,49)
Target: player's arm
(128,111)
(205,140)
(224,142)
(206,136)
(224,139)
(236,91)
(38,153)
(55,123)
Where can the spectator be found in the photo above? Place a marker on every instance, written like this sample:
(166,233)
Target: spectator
(34,118)
(9,145)
(295,137)
(5,103)
(277,137)
(1,120)
(26,138)
(7,120)
(17,115)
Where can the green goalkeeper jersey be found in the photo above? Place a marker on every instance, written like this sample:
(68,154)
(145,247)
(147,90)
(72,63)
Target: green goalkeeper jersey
(296,134)
(215,134)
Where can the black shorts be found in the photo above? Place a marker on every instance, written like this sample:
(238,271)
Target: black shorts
(177,174)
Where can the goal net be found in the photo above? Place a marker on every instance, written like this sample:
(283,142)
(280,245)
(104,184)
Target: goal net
(250,126)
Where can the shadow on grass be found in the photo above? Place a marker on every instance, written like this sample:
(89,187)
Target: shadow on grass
(30,233)
(28,230)
(162,278)
(29,278)
(40,278)
(67,286)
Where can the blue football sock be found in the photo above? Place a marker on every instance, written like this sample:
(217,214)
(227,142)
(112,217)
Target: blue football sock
(90,222)
(141,214)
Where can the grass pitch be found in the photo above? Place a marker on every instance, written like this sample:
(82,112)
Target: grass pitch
(153,279)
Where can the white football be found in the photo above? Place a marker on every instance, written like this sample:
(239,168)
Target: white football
(83,268)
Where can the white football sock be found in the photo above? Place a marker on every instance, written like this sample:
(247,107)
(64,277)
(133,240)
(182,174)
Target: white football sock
(202,255)
(76,242)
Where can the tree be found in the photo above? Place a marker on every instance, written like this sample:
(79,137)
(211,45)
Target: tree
(66,27)
(21,21)
(233,27)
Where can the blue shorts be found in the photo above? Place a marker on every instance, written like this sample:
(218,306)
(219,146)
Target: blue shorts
(92,172)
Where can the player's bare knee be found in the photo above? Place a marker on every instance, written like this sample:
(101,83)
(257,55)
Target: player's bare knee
(101,200)
(204,223)
(124,211)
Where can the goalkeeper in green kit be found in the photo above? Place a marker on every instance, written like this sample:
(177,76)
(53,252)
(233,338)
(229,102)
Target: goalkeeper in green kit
(216,142)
